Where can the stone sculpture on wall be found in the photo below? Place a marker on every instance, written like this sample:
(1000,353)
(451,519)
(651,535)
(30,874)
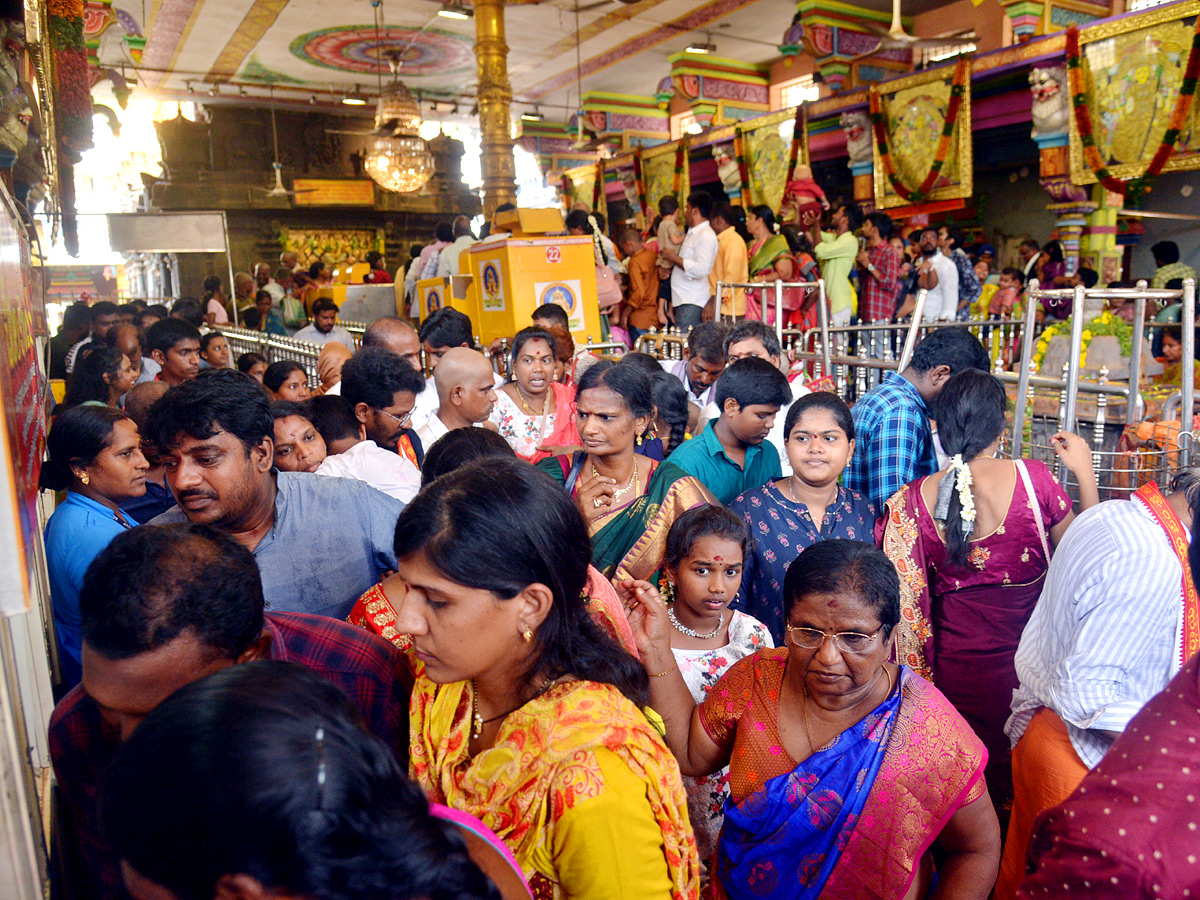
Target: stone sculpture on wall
(1050,107)
(857,126)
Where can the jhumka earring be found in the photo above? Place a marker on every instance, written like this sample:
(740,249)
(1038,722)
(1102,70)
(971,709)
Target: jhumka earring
(85,478)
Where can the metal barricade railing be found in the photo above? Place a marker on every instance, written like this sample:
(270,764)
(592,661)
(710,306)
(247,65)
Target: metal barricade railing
(774,290)
(666,344)
(356,330)
(275,348)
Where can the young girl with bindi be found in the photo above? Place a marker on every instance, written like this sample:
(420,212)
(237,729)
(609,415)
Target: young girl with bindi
(702,563)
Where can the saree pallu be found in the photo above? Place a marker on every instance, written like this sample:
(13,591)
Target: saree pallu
(855,819)
(542,764)
(630,540)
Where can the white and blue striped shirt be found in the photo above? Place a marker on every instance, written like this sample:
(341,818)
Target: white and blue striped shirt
(1103,637)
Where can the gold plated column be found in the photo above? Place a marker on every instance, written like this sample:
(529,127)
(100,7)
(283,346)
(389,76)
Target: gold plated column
(495,95)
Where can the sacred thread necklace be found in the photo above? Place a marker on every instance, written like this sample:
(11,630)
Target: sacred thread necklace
(683,629)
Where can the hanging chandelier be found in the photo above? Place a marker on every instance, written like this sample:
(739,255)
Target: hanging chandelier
(399,159)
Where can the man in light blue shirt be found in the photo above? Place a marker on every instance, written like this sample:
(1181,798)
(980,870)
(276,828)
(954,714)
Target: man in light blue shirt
(322,330)
(320,542)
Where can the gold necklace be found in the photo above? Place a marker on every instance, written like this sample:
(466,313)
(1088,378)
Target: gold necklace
(478,721)
(617,495)
(521,397)
(804,708)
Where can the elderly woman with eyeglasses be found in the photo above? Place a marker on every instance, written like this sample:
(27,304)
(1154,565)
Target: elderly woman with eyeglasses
(845,769)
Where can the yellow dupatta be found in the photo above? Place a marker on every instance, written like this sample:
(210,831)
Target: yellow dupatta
(543,763)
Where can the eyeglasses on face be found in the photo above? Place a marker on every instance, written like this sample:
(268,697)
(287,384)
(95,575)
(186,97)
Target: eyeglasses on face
(401,421)
(845,641)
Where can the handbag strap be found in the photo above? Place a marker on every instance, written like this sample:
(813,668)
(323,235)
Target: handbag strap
(1034,508)
(573,476)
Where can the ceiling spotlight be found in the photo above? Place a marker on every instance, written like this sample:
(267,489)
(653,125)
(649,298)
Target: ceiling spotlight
(534,116)
(242,91)
(190,87)
(455,9)
(312,100)
(355,99)
(707,47)
(212,91)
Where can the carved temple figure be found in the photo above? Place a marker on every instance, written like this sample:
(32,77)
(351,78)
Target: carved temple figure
(857,126)
(727,171)
(1050,107)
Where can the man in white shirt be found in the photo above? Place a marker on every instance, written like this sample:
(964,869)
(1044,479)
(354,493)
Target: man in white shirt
(702,364)
(690,267)
(466,393)
(1103,639)
(322,330)
(441,332)
(264,282)
(350,454)
(448,257)
(939,276)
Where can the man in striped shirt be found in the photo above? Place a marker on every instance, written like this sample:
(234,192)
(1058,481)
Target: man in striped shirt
(1103,639)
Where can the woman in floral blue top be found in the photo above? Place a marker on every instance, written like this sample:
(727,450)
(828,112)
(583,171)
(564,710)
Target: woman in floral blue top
(783,516)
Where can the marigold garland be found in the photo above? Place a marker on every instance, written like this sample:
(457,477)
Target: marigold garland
(598,186)
(739,152)
(962,72)
(1134,187)
(680,157)
(640,181)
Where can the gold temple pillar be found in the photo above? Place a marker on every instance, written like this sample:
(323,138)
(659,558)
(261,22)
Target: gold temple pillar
(495,95)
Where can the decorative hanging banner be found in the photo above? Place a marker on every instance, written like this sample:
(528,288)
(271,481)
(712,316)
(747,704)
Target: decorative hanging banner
(768,141)
(659,167)
(799,139)
(739,151)
(921,127)
(1136,77)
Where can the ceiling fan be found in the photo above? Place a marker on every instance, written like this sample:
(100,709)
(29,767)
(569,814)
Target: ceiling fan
(896,38)
(277,190)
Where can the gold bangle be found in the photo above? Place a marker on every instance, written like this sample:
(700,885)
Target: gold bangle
(661,674)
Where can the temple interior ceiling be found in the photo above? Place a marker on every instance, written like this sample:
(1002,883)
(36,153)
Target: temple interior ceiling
(317,46)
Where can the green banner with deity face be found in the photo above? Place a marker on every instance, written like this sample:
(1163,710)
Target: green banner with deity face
(768,143)
(658,171)
(1133,71)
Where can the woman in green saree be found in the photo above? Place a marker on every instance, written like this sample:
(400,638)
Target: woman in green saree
(628,500)
(771,260)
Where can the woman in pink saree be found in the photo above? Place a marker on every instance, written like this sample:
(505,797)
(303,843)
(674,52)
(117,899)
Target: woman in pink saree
(844,769)
(972,544)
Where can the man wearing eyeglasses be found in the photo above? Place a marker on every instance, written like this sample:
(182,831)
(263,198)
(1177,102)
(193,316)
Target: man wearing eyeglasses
(319,542)
(383,390)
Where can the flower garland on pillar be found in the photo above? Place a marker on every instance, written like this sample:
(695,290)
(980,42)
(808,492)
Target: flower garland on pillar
(962,72)
(1134,187)
(739,152)
(73,98)
(680,158)
(598,186)
(640,181)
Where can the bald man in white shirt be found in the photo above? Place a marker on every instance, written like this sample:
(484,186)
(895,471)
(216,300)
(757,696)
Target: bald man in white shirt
(466,393)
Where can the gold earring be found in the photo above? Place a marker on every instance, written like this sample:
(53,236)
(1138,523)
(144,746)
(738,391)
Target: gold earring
(527,634)
(85,478)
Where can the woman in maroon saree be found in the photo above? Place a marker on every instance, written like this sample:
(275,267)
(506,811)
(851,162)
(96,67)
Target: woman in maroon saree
(972,544)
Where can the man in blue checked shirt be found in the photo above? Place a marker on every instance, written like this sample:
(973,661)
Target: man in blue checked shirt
(894,440)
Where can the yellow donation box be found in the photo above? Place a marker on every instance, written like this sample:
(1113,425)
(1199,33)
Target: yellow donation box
(514,276)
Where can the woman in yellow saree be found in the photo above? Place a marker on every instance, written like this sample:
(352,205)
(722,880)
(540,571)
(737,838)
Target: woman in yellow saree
(524,713)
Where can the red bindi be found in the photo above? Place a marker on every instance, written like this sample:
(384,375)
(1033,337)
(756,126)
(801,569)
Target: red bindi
(718,559)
